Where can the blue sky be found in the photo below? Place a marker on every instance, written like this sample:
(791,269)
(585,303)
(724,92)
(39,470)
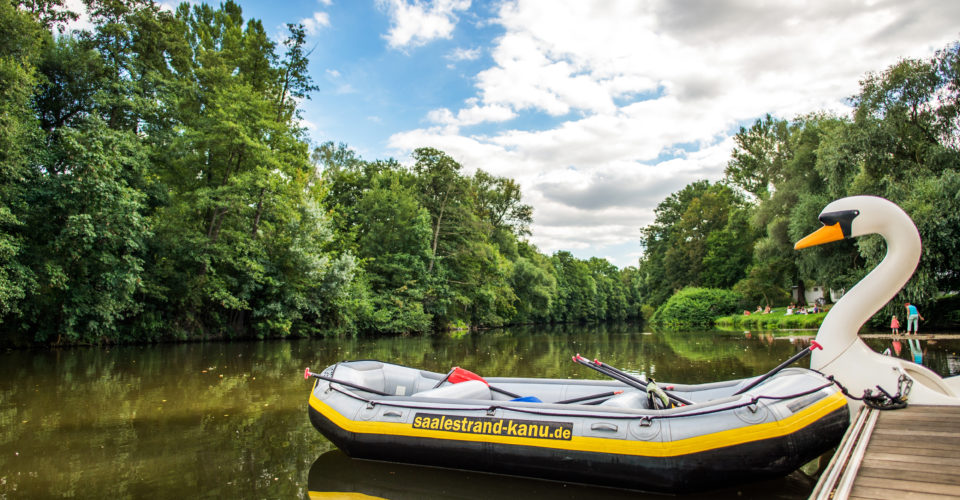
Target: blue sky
(600,109)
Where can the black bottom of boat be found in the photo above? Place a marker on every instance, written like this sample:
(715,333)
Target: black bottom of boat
(695,472)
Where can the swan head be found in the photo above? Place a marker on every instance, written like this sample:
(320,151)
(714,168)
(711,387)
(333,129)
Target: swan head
(857,216)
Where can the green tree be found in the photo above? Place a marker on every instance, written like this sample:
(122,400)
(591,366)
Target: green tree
(393,241)
(534,284)
(90,237)
(697,238)
(21,42)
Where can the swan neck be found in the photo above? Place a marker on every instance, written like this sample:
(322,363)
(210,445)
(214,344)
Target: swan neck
(839,329)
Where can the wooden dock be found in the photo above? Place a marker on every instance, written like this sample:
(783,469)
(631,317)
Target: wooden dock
(912,453)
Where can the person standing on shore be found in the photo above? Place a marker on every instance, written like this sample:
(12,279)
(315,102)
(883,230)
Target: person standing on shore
(894,325)
(912,317)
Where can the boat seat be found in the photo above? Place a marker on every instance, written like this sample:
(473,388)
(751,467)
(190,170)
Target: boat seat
(632,400)
(471,389)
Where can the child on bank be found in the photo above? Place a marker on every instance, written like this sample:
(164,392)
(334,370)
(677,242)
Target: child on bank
(894,325)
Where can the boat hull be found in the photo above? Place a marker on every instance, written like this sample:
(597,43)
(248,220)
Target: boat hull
(590,445)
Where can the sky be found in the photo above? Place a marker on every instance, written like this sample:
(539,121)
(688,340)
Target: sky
(599,109)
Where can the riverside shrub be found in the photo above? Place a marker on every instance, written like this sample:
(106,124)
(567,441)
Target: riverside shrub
(696,307)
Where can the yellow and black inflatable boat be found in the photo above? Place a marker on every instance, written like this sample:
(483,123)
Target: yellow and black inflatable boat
(585,431)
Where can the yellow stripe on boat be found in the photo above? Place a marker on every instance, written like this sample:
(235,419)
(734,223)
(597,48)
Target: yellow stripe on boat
(697,444)
(341,495)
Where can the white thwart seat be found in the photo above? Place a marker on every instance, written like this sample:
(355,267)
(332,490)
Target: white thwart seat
(634,400)
(471,389)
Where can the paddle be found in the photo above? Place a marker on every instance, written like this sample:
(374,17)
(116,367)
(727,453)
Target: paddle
(307,374)
(674,397)
(458,375)
(629,381)
(624,377)
(796,357)
(445,377)
(588,398)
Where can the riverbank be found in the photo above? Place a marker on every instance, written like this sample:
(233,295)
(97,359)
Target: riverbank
(776,319)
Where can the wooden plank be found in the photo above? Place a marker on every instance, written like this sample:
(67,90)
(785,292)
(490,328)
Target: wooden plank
(910,458)
(917,451)
(900,484)
(918,433)
(916,416)
(925,424)
(919,427)
(885,494)
(922,476)
(934,425)
(925,443)
(901,468)
(908,424)
(921,410)
(928,409)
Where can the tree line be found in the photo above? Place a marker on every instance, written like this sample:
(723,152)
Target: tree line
(901,142)
(156,184)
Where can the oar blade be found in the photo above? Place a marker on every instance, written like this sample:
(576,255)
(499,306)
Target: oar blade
(461,375)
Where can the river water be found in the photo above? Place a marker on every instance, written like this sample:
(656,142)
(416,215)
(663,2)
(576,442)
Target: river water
(220,420)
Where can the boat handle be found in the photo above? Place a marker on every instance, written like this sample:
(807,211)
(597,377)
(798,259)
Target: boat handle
(603,426)
(392,413)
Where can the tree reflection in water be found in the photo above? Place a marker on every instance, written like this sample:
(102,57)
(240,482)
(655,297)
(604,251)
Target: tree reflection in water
(229,419)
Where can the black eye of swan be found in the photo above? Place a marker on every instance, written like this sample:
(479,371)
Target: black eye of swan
(844,217)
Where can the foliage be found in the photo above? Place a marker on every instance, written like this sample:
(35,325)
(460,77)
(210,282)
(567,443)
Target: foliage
(944,312)
(900,144)
(695,307)
(775,320)
(700,237)
(156,184)
(441,249)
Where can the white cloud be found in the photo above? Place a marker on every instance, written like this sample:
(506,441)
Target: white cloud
(313,25)
(307,124)
(416,23)
(644,95)
(471,115)
(462,54)
(340,87)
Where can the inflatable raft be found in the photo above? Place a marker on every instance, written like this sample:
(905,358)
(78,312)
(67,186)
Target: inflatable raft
(587,431)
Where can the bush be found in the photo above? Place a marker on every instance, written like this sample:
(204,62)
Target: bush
(696,308)
(647,311)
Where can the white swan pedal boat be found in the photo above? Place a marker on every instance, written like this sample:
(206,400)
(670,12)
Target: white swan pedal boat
(844,355)
(585,431)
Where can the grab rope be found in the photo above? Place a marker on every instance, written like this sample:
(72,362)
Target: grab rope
(752,402)
(882,400)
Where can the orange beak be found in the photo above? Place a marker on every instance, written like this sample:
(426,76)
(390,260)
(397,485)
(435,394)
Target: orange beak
(825,234)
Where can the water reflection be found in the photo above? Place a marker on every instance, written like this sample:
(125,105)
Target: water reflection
(219,420)
(334,475)
(940,355)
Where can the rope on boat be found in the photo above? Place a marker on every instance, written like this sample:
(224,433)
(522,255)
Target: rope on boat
(645,419)
(882,400)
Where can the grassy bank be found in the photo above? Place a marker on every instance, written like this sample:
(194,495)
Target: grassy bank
(775,320)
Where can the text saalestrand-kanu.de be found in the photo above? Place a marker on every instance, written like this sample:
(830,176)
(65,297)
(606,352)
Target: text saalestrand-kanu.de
(494,426)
